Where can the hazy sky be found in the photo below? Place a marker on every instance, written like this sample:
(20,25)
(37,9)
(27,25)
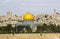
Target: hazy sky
(19,7)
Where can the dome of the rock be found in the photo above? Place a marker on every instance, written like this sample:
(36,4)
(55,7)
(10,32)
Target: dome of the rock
(28,16)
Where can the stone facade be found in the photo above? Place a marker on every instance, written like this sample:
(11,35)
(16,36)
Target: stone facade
(41,18)
(31,36)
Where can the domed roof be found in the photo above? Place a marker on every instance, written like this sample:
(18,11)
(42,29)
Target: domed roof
(28,16)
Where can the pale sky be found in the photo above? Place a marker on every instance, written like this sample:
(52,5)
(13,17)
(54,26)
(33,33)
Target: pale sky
(20,7)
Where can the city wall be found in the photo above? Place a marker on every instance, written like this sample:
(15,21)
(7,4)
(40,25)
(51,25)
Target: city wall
(31,36)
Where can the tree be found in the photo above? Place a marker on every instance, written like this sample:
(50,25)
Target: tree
(9,28)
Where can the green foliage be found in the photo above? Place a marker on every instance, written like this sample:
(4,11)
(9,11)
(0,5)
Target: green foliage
(52,28)
(48,28)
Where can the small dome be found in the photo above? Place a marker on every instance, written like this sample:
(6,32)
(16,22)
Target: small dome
(28,16)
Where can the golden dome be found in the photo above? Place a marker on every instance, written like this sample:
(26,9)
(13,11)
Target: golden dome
(28,16)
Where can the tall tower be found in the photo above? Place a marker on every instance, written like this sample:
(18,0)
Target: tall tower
(54,11)
(9,13)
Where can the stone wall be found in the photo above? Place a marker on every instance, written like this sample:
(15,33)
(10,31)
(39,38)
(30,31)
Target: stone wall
(31,36)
